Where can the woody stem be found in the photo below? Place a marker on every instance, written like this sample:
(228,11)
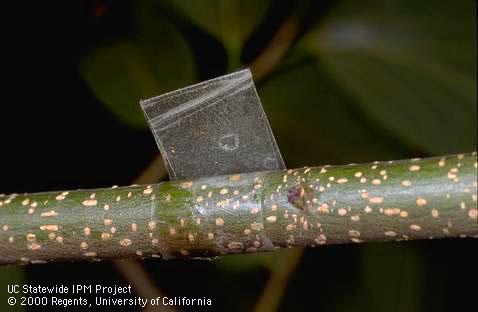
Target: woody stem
(206,217)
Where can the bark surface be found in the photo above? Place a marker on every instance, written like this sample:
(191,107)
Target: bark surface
(381,201)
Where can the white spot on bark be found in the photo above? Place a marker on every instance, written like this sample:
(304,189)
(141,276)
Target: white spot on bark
(90,202)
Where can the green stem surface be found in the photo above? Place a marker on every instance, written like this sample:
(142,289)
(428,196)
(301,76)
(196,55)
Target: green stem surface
(206,217)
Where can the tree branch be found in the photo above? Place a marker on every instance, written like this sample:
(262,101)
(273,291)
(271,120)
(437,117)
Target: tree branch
(394,200)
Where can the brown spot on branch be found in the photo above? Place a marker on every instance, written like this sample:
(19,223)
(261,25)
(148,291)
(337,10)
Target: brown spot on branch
(301,196)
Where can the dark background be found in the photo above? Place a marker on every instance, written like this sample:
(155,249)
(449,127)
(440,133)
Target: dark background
(355,82)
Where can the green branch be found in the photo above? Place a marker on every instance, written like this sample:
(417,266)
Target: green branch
(381,201)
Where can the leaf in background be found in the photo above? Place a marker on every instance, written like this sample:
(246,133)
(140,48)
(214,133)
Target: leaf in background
(391,277)
(11,275)
(411,64)
(231,21)
(276,260)
(245,262)
(155,61)
(281,264)
(315,122)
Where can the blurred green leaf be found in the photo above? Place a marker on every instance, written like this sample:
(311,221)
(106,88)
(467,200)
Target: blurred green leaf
(315,122)
(11,275)
(246,262)
(411,64)
(391,277)
(230,21)
(155,61)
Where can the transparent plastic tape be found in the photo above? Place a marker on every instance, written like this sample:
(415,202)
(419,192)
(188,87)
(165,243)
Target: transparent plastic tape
(215,127)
